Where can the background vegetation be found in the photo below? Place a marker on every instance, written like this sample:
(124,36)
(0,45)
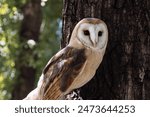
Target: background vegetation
(11,18)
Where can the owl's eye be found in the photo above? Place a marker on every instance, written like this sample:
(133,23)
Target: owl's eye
(86,32)
(100,33)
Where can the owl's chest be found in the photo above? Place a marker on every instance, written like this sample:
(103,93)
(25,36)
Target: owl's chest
(88,71)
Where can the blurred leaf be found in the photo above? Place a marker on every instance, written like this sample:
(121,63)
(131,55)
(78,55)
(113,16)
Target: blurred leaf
(3,9)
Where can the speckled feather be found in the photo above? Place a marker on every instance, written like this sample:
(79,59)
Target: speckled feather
(57,78)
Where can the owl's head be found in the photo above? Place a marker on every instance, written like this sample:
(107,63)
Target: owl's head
(92,33)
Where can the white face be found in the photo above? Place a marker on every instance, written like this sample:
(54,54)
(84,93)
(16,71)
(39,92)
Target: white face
(94,36)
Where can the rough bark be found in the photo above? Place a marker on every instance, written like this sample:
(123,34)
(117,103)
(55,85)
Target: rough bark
(125,70)
(30,29)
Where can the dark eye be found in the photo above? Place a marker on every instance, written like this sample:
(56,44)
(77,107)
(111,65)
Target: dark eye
(86,32)
(100,33)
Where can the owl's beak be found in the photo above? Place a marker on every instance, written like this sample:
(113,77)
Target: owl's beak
(95,42)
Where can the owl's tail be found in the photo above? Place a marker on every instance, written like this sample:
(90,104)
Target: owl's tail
(53,92)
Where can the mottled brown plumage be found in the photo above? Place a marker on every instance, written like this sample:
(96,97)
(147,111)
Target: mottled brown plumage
(58,77)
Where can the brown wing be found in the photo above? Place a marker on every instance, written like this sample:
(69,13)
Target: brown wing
(61,71)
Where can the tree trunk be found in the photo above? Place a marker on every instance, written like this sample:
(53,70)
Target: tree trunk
(30,29)
(125,70)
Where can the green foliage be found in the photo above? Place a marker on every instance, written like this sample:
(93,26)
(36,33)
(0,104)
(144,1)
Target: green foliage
(9,25)
(10,20)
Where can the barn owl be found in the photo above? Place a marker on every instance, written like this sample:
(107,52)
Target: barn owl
(76,64)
